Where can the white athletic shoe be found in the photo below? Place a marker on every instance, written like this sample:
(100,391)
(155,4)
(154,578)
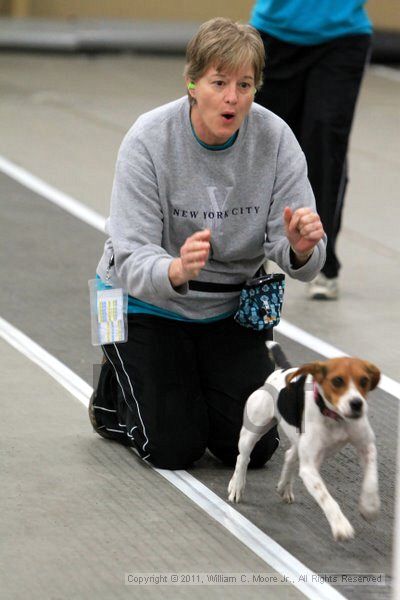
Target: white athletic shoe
(322,288)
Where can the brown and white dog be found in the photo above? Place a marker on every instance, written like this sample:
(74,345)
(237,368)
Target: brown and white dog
(321,406)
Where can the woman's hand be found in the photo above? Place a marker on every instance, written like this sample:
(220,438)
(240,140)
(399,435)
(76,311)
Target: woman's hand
(193,257)
(304,230)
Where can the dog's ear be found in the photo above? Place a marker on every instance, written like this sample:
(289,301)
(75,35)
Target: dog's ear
(374,373)
(317,369)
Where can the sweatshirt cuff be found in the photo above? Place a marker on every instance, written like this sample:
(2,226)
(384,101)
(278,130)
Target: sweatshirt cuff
(313,265)
(161,282)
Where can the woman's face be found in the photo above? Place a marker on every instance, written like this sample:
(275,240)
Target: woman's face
(222,101)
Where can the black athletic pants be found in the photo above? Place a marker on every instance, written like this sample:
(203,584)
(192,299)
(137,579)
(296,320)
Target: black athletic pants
(175,389)
(314,89)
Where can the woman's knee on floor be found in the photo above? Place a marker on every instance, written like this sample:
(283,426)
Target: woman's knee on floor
(176,453)
(262,451)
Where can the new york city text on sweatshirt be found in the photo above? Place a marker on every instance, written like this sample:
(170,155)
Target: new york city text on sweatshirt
(167,186)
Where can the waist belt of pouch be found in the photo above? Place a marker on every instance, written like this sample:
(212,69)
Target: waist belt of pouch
(198,286)
(208,286)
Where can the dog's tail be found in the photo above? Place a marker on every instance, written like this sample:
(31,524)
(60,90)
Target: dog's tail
(278,355)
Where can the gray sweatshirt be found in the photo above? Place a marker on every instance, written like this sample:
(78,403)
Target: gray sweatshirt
(167,186)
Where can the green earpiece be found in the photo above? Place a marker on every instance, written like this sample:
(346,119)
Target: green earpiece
(255,91)
(191,86)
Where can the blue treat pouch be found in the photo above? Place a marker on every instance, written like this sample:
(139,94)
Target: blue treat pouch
(260,302)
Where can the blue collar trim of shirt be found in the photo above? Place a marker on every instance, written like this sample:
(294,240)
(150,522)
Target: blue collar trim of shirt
(227,144)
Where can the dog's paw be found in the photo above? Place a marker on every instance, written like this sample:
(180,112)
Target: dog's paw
(342,529)
(234,490)
(285,492)
(369,507)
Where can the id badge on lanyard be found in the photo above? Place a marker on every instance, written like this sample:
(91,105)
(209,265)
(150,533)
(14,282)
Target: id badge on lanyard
(109,310)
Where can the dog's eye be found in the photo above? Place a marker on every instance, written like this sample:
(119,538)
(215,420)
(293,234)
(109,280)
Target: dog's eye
(364,381)
(337,382)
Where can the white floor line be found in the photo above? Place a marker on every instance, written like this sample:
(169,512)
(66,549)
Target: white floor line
(67,203)
(67,378)
(255,539)
(71,382)
(82,212)
(259,542)
(386,72)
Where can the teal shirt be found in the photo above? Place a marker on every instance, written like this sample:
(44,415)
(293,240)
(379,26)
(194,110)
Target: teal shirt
(227,144)
(138,307)
(309,22)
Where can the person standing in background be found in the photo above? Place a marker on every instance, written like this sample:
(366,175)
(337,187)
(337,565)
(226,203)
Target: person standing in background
(316,51)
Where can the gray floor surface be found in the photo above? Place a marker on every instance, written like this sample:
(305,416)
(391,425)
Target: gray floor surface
(72,537)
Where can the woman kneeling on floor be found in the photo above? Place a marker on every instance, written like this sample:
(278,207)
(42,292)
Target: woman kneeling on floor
(206,189)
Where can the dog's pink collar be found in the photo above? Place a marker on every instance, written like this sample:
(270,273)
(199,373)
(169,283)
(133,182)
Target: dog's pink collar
(327,412)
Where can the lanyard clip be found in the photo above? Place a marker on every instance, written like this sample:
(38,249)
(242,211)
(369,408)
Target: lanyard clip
(111,263)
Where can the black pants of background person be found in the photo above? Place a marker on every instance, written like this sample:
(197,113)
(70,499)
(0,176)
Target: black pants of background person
(175,389)
(314,89)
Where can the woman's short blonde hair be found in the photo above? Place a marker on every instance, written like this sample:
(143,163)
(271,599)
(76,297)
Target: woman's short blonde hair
(226,45)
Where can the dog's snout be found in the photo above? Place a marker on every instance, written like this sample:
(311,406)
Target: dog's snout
(356,405)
